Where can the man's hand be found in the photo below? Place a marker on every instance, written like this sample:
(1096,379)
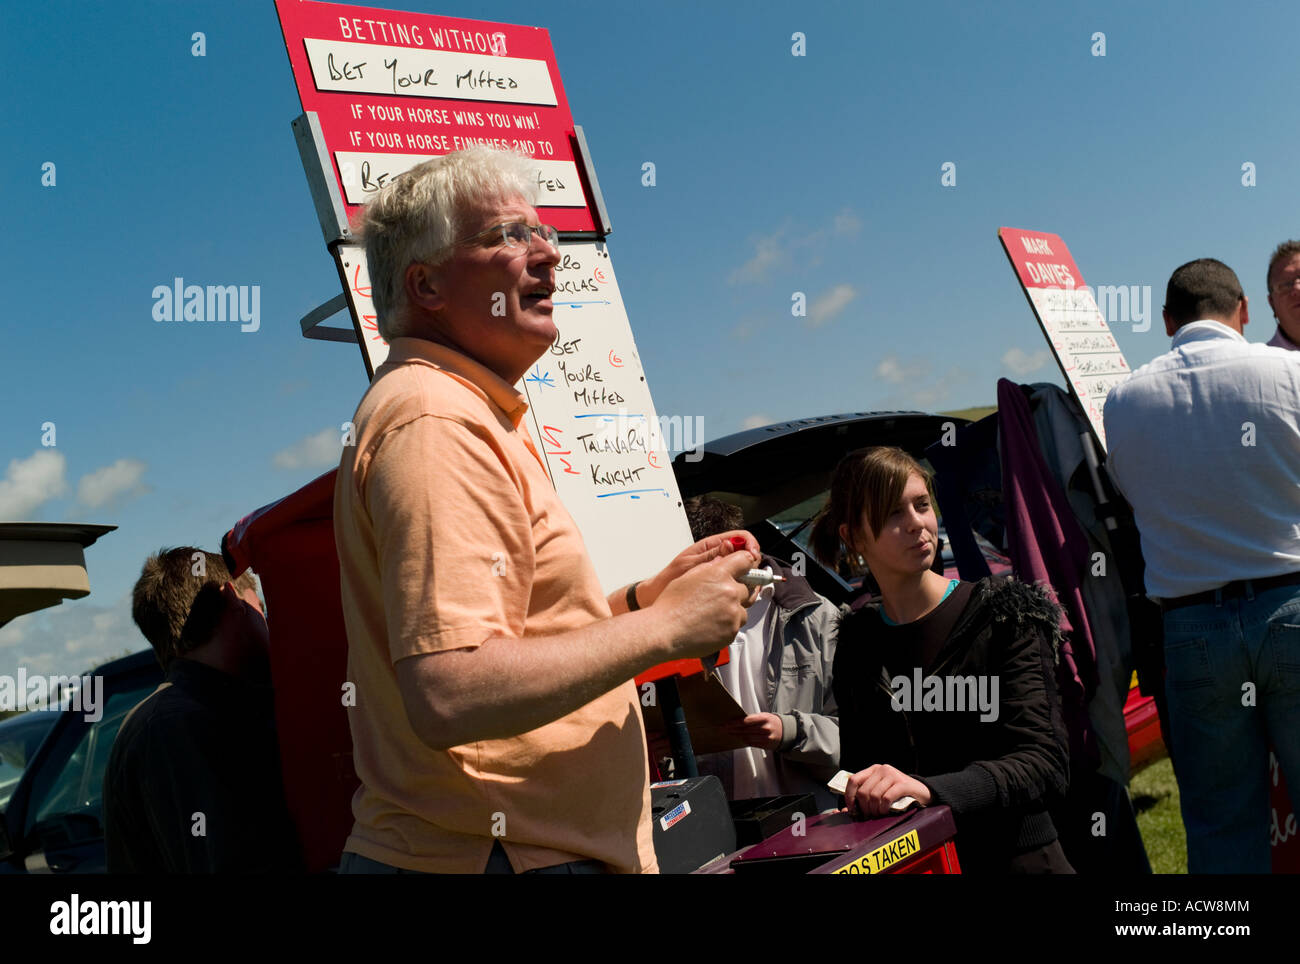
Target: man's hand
(701,552)
(705,607)
(503,687)
(871,791)
(762,730)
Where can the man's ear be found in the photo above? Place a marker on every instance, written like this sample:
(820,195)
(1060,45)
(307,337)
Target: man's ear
(423,286)
(1170,327)
(1244,318)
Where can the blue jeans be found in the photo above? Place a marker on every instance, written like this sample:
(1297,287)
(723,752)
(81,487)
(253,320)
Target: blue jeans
(1222,728)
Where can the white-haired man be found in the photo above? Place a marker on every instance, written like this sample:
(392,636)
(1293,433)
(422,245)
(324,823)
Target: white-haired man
(496,727)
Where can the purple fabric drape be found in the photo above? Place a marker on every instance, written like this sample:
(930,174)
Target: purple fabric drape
(1047,545)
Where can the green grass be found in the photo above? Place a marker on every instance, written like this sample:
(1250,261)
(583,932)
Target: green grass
(974,414)
(1155,798)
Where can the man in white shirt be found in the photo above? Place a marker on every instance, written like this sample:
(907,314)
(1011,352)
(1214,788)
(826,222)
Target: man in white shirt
(1205,444)
(1284,294)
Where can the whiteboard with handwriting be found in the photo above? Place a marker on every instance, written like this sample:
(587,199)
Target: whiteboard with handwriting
(590,415)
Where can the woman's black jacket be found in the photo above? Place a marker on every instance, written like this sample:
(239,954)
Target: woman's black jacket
(998,775)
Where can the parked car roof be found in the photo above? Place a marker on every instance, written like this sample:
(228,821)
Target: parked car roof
(779,475)
(767,470)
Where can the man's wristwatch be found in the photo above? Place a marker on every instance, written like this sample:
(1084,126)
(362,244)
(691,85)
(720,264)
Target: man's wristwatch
(632,604)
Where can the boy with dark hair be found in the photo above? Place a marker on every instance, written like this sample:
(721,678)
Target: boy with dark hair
(162,603)
(780,674)
(193,781)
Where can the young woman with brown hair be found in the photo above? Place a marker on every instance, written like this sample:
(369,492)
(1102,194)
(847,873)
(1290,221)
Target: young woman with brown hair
(945,689)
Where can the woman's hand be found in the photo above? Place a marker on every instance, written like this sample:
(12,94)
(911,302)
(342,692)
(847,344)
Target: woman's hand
(763,730)
(871,791)
(692,556)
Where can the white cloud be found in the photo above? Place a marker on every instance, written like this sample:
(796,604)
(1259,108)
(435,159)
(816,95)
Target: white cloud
(926,397)
(112,484)
(69,638)
(756,421)
(825,307)
(780,249)
(319,451)
(31,482)
(1022,363)
(919,385)
(846,222)
(892,369)
(767,253)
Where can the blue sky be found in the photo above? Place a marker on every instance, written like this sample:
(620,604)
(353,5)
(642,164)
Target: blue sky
(774,174)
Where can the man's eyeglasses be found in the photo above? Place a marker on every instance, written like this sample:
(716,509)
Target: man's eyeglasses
(515,234)
(1284,286)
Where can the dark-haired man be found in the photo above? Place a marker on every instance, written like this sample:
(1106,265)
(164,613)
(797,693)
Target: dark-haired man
(780,674)
(193,782)
(1204,442)
(1284,294)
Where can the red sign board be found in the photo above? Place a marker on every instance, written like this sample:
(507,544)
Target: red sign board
(1067,311)
(1041,260)
(393,89)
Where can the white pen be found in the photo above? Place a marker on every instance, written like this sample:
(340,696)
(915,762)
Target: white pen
(760,577)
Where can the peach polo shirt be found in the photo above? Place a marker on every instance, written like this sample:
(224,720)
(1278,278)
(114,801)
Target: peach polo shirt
(449,532)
